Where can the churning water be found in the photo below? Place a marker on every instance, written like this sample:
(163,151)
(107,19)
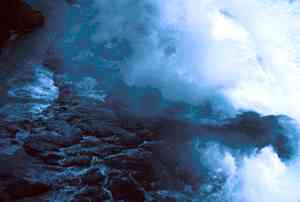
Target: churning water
(237,54)
(242,52)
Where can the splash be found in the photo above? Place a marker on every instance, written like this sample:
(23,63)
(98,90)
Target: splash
(245,51)
(263,177)
(242,52)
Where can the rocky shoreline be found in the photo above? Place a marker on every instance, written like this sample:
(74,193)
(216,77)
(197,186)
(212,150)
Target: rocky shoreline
(84,151)
(80,149)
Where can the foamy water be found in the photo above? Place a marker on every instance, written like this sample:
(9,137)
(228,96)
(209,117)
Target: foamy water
(237,54)
(245,52)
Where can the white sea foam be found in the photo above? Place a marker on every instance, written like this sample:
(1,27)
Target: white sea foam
(244,51)
(263,177)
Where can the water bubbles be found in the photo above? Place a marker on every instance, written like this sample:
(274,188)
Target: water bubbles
(31,91)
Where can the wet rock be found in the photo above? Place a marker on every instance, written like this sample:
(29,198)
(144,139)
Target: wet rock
(71,2)
(5,197)
(53,138)
(27,18)
(22,136)
(101,150)
(152,146)
(126,188)
(80,161)
(92,176)
(138,163)
(121,136)
(90,141)
(148,135)
(66,178)
(19,17)
(52,158)
(64,129)
(37,145)
(91,194)
(165,196)
(53,62)
(135,159)
(21,188)
(12,129)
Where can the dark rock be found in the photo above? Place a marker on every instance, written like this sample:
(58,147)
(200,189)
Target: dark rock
(66,178)
(149,135)
(63,128)
(52,140)
(12,129)
(37,145)
(126,188)
(53,62)
(92,176)
(22,136)
(91,194)
(121,136)
(52,158)
(153,146)
(135,159)
(27,18)
(17,16)
(165,196)
(81,161)
(71,2)
(101,150)
(90,141)
(21,188)
(4,197)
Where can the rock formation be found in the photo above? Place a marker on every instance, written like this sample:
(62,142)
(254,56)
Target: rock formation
(17,17)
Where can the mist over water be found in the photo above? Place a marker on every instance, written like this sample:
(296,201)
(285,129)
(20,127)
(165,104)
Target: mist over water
(244,51)
(237,55)
(241,55)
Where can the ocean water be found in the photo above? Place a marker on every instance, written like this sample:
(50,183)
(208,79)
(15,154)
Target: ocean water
(237,55)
